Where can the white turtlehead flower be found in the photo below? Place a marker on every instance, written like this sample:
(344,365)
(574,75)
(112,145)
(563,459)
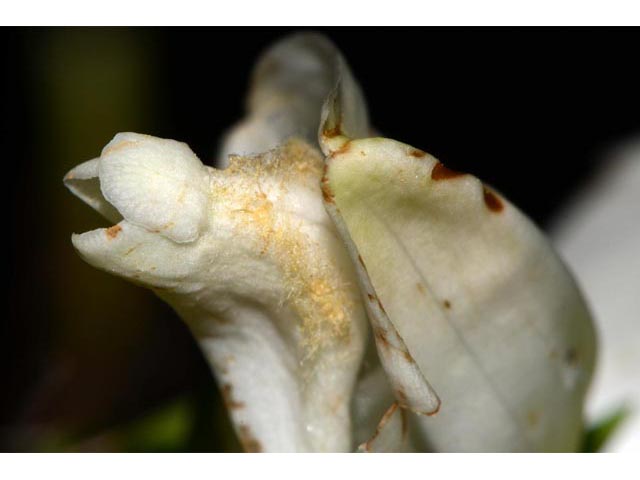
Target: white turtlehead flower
(349,292)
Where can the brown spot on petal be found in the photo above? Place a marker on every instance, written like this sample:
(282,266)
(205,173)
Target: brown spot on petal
(327,195)
(248,441)
(420,288)
(571,357)
(381,336)
(229,401)
(343,149)
(447,304)
(492,201)
(333,132)
(361,262)
(407,356)
(417,153)
(440,172)
(112,232)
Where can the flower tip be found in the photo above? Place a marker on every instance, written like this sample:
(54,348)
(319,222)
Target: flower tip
(156,183)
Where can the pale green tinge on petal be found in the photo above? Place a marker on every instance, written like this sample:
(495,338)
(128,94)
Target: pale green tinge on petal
(484,306)
(266,285)
(408,383)
(289,85)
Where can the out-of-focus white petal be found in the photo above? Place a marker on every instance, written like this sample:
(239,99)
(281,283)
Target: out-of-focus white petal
(290,83)
(599,236)
(490,315)
(344,112)
(266,286)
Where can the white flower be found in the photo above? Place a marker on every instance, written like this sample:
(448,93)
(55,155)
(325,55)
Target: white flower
(483,337)
(599,235)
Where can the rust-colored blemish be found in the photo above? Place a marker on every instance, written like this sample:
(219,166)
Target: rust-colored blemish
(435,412)
(407,356)
(112,232)
(343,149)
(248,441)
(492,201)
(420,288)
(440,172)
(447,304)
(383,421)
(327,195)
(333,132)
(381,336)
(417,153)
(164,227)
(571,357)
(361,262)
(229,401)
(372,298)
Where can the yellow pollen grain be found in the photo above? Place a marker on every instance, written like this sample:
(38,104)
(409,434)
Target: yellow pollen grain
(312,282)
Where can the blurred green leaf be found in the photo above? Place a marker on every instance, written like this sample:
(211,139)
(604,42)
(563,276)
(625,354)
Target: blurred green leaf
(598,434)
(166,429)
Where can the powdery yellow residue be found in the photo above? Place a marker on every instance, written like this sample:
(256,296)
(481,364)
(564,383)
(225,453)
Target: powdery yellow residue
(312,282)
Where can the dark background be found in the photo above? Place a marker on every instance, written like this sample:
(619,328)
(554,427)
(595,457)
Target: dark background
(94,363)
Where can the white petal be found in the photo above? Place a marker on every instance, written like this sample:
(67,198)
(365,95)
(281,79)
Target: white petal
(409,385)
(138,255)
(599,236)
(486,309)
(290,83)
(84,183)
(157,184)
(268,291)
